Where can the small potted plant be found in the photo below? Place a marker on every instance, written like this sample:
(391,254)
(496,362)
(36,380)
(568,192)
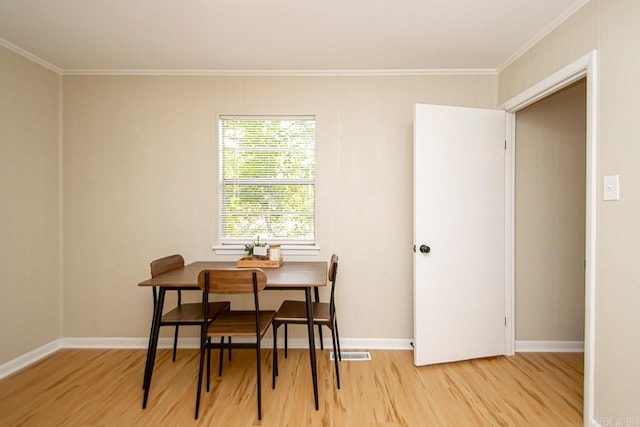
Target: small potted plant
(257,249)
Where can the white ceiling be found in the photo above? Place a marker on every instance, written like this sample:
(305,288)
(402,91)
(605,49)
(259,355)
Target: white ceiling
(276,35)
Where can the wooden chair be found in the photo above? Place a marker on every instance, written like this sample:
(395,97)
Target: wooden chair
(250,325)
(324,314)
(188,314)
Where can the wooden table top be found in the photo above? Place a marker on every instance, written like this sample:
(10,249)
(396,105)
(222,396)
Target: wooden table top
(290,275)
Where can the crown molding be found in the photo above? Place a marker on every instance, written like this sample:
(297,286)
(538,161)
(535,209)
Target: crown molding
(30,56)
(296,73)
(555,23)
(280,73)
(247,73)
(543,33)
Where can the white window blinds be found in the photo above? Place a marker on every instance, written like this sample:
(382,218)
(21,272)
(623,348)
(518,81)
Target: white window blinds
(267,179)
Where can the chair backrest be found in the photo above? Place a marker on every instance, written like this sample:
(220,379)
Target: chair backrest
(168,263)
(332,275)
(232,281)
(333,268)
(162,265)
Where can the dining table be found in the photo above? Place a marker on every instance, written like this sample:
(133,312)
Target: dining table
(303,276)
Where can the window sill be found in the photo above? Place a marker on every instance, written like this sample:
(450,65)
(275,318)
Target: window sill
(289,250)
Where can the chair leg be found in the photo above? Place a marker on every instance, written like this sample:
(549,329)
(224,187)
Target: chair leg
(259,379)
(320,337)
(335,357)
(202,341)
(335,328)
(229,349)
(286,339)
(208,363)
(221,355)
(175,343)
(275,333)
(274,359)
(317,295)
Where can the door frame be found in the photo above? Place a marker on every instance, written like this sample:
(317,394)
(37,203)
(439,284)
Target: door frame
(583,67)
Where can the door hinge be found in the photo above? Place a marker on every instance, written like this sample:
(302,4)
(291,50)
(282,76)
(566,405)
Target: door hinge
(505,321)
(505,144)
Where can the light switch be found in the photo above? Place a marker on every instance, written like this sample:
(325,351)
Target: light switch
(611,187)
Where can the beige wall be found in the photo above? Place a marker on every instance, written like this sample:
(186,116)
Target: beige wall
(550,217)
(133,143)
(611,27)
(30,253)
(140,182)
(576,37)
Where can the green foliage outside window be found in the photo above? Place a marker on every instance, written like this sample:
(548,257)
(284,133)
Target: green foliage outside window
(268,179)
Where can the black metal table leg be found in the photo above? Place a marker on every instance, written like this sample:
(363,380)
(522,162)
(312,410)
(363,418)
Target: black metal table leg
(312,345)
(153,345)
(153,322)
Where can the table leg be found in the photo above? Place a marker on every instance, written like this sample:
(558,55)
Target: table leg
(312,345)
(317,296)
(153,321)
(153,345)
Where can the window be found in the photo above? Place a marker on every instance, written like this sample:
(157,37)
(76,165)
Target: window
(267,179)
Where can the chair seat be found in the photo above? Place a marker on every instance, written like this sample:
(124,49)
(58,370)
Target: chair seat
(296,312)
(193,312)
(240,323)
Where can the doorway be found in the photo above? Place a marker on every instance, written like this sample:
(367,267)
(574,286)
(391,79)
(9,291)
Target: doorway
(550,222)
(585,67)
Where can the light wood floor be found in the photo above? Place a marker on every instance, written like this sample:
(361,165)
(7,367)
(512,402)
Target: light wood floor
(103,387)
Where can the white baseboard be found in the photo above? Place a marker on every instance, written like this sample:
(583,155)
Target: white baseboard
(550,346)
(351,343)
(107,342)
(373,343)
(29,358)
(193,342)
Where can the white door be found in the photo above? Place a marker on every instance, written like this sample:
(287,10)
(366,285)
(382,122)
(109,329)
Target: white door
(459,223)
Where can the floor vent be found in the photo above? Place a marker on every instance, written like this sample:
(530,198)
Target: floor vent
(353,355)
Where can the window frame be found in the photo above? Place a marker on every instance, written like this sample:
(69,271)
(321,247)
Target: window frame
(289,246)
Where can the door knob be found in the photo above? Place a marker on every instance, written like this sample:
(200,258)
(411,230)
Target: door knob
(425,249)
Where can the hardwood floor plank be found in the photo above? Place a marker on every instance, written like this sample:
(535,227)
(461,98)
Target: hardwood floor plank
(104,387)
